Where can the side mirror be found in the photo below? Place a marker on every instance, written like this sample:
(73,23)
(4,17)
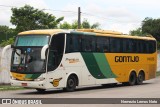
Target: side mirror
(43,51)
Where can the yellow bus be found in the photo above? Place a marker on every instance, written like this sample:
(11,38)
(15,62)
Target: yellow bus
(56,58)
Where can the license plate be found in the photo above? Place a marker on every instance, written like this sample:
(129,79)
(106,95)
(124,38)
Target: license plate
(24,84)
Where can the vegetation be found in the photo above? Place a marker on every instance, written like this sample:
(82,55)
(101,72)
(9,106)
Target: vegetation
(149,27)
(9,87)
(74,25)
(5,34)
(157,73)
(7,42)
(137,32)
(28,18)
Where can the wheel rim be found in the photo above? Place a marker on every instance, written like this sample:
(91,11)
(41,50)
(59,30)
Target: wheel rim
(71,83)
(141,77)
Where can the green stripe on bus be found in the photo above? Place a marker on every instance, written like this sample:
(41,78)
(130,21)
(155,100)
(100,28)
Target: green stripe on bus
(104,65)
(34,76)
(92,65)
(28,76)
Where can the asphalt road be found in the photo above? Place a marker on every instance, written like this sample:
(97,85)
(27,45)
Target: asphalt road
(149,89)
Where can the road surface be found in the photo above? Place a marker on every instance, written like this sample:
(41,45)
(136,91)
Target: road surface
(150,89)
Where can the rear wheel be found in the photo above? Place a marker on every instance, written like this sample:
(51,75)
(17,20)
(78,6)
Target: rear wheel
(140,78)
(71,84)
(132,79)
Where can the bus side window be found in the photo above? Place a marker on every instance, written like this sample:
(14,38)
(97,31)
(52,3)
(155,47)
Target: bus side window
(128,45)
(88,43)
(152,46)
(134,46)
(106,44)
(99,44)
(73,43)
(144,46)
(116,45)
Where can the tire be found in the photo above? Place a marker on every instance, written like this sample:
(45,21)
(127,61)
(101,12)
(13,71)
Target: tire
(132,80)
(140,78)
(40,90)
(71,84)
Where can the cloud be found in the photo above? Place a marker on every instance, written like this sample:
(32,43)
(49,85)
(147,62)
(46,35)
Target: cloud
(114,18)
(123,15)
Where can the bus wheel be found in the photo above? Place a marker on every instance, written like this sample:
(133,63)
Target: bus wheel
(140,78)
(71,84)
(132,79)
(40,90)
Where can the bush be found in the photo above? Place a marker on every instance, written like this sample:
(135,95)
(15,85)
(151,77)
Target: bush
(7,42)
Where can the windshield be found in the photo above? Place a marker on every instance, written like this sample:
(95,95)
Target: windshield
(26,55)
(27,60)
(32,40)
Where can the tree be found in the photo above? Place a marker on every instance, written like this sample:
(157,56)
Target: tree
(87,25)
(6,33)
(137,32)
(151,26)
(28,18)
(65,25)
(7,42)
(74,25)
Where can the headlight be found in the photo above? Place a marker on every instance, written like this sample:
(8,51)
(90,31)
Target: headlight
(39,79)
(12,78)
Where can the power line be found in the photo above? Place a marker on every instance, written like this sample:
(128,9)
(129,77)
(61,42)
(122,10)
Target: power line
(61,11)
(7,6)
(73,12)
(104,18)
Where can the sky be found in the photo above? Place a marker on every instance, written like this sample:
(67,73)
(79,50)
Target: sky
(116,15)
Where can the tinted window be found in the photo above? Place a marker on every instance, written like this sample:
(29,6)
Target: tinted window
(88,43)
(102,44)
(73,43)
(116,45)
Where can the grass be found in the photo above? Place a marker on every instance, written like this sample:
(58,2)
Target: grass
(9,87)
(157,73)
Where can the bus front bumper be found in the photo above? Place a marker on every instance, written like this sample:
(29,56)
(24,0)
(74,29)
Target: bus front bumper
(29,84)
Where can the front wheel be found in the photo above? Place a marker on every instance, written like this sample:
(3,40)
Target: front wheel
(71,84)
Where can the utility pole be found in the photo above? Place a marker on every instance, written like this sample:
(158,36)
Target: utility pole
(79,17)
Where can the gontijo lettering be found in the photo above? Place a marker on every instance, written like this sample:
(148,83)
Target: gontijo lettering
(126,59)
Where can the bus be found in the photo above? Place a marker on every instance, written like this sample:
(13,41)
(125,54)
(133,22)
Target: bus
(66,59)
